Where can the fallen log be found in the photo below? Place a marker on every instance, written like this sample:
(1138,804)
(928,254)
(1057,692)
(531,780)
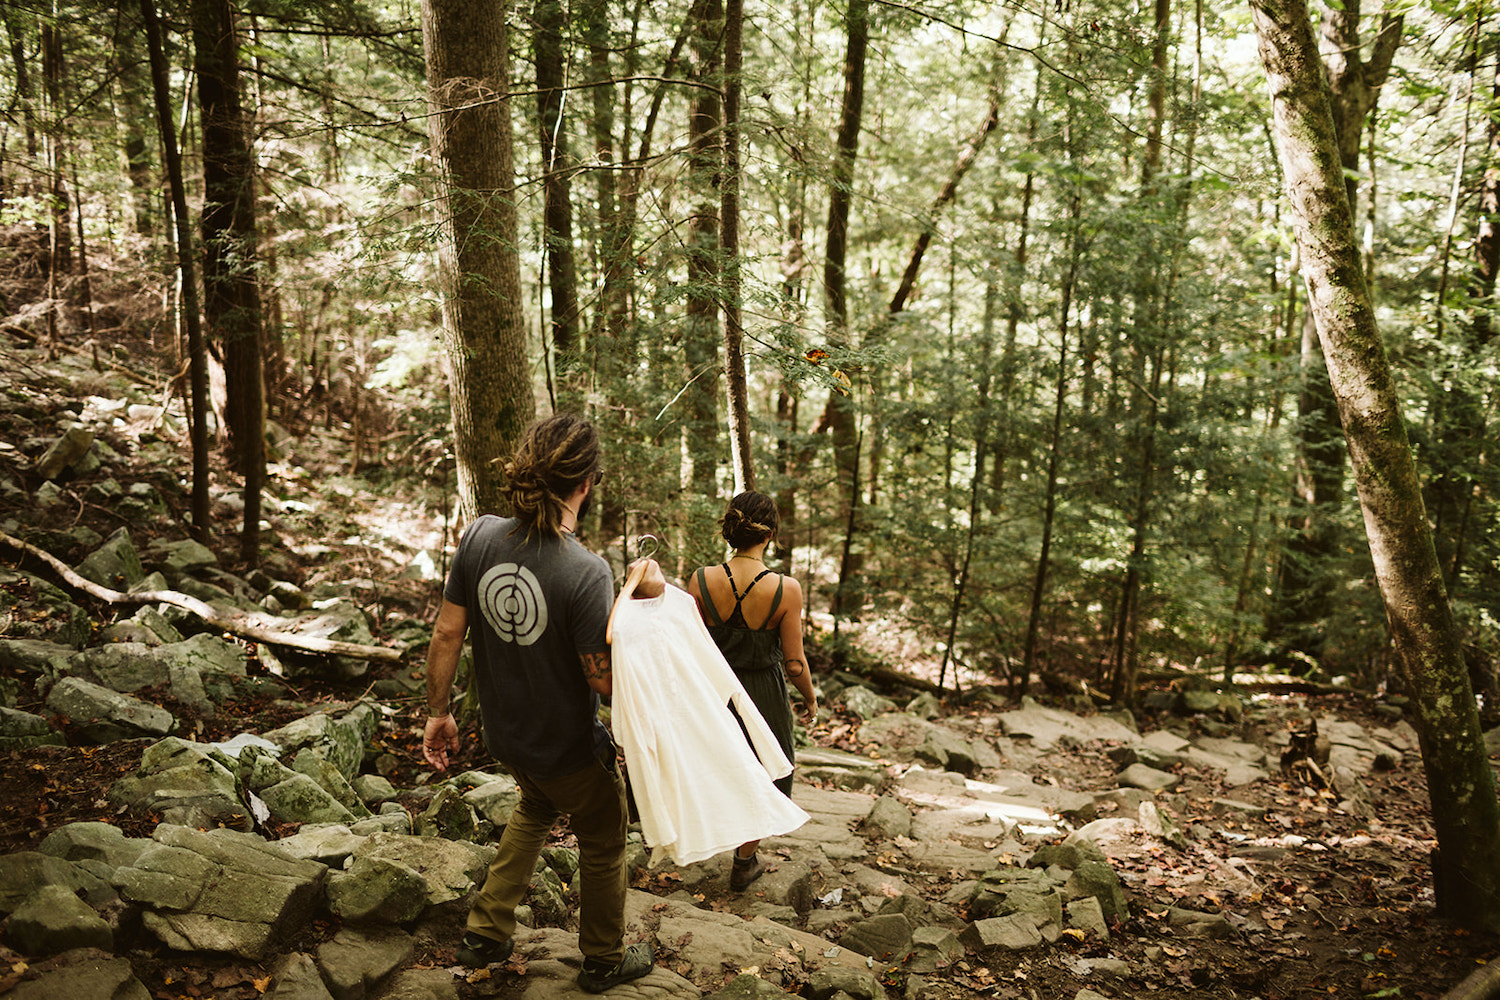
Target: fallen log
(207,613)
(1481,984)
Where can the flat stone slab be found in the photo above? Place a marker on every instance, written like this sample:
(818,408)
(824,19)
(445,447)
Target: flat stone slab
(1049,727)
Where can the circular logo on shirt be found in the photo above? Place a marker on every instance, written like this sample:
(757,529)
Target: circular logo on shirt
(510,597)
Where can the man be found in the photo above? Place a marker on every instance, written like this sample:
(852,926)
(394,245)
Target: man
(534,604)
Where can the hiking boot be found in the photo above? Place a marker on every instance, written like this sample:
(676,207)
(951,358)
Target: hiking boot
(744,871)
(476,951)
(597,977)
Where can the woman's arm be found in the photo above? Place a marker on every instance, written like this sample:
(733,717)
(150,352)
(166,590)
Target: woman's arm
(793,659)
(698,598)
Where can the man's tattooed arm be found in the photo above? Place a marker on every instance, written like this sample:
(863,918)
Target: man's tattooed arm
(597,672)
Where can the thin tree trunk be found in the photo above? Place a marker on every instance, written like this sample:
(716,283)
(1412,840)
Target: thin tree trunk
(557,214)
(838,415)
(197,355)
(1020,684)
(231,290)
(701,337)
(1425,637)
(976,477)
(741,458)
(1011,283)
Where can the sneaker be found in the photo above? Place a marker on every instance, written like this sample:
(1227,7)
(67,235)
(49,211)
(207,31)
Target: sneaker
(744,871)
(476,951)
(596,978)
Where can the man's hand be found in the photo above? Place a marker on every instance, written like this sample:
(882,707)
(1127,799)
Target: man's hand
(652,583)
(439,739)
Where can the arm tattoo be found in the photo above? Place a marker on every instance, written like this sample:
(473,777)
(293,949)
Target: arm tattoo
(595,665)
(794,668)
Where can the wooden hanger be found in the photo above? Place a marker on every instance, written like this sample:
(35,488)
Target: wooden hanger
(638,571)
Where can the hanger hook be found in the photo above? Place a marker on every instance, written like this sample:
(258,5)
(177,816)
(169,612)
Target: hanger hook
(640,541)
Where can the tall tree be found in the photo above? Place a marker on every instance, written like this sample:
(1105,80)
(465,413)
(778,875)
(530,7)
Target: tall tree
(231,287)
(557,213)
(197,353)
(1460,783)
(1305,580)
(1461,469)
(468,94)
(839,415)
(700,346)
(741,458)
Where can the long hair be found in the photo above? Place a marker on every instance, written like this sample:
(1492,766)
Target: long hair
(751,518)
(555,457)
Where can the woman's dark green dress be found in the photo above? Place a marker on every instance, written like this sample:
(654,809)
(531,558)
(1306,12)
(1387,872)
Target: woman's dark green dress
(755,656)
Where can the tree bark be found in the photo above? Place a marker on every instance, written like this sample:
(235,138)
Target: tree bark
(1305,585)
(197,355)
(701,336)
(838,415)
(231,289)
(1054,455)
(741,457)
(1425,638)
(557,212)
(468,57)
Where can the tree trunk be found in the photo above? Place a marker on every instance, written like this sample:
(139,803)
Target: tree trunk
(25,95)
(1305,585)
(1054,455)
(1459,459)
(701,336)
(467,52)
(1425,638)
(231,291)
(132,108)
(1148,340)
(197,355)
(741,458)
(557,213)
(839,416)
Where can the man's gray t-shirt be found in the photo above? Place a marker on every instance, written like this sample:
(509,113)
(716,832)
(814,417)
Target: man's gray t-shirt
(534,605)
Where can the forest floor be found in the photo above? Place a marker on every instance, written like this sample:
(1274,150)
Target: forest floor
(1354,920)
(1343,909)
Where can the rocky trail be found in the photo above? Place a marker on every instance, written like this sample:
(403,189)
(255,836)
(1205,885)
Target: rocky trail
(193,813)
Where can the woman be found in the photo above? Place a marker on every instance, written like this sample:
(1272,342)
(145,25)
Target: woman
(755,617)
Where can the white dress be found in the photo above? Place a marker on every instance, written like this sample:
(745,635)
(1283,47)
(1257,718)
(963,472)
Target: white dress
(698,786)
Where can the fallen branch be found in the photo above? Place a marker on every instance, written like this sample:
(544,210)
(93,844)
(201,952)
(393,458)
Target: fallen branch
(206,612)
(1481,984)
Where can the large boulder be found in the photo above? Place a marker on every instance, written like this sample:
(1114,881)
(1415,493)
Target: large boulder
(34,609)
(221,891)
(115,564)
(52,919)
(104,716)
(84,974)
(187,783)
(24,872)
(339,741)
(450,869)
(93,841)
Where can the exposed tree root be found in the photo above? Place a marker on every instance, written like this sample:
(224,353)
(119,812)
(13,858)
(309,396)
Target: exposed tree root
(208,614)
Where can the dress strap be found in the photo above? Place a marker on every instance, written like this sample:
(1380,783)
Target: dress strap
(775,601)
(707,601)
(738,612)
(738,597)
